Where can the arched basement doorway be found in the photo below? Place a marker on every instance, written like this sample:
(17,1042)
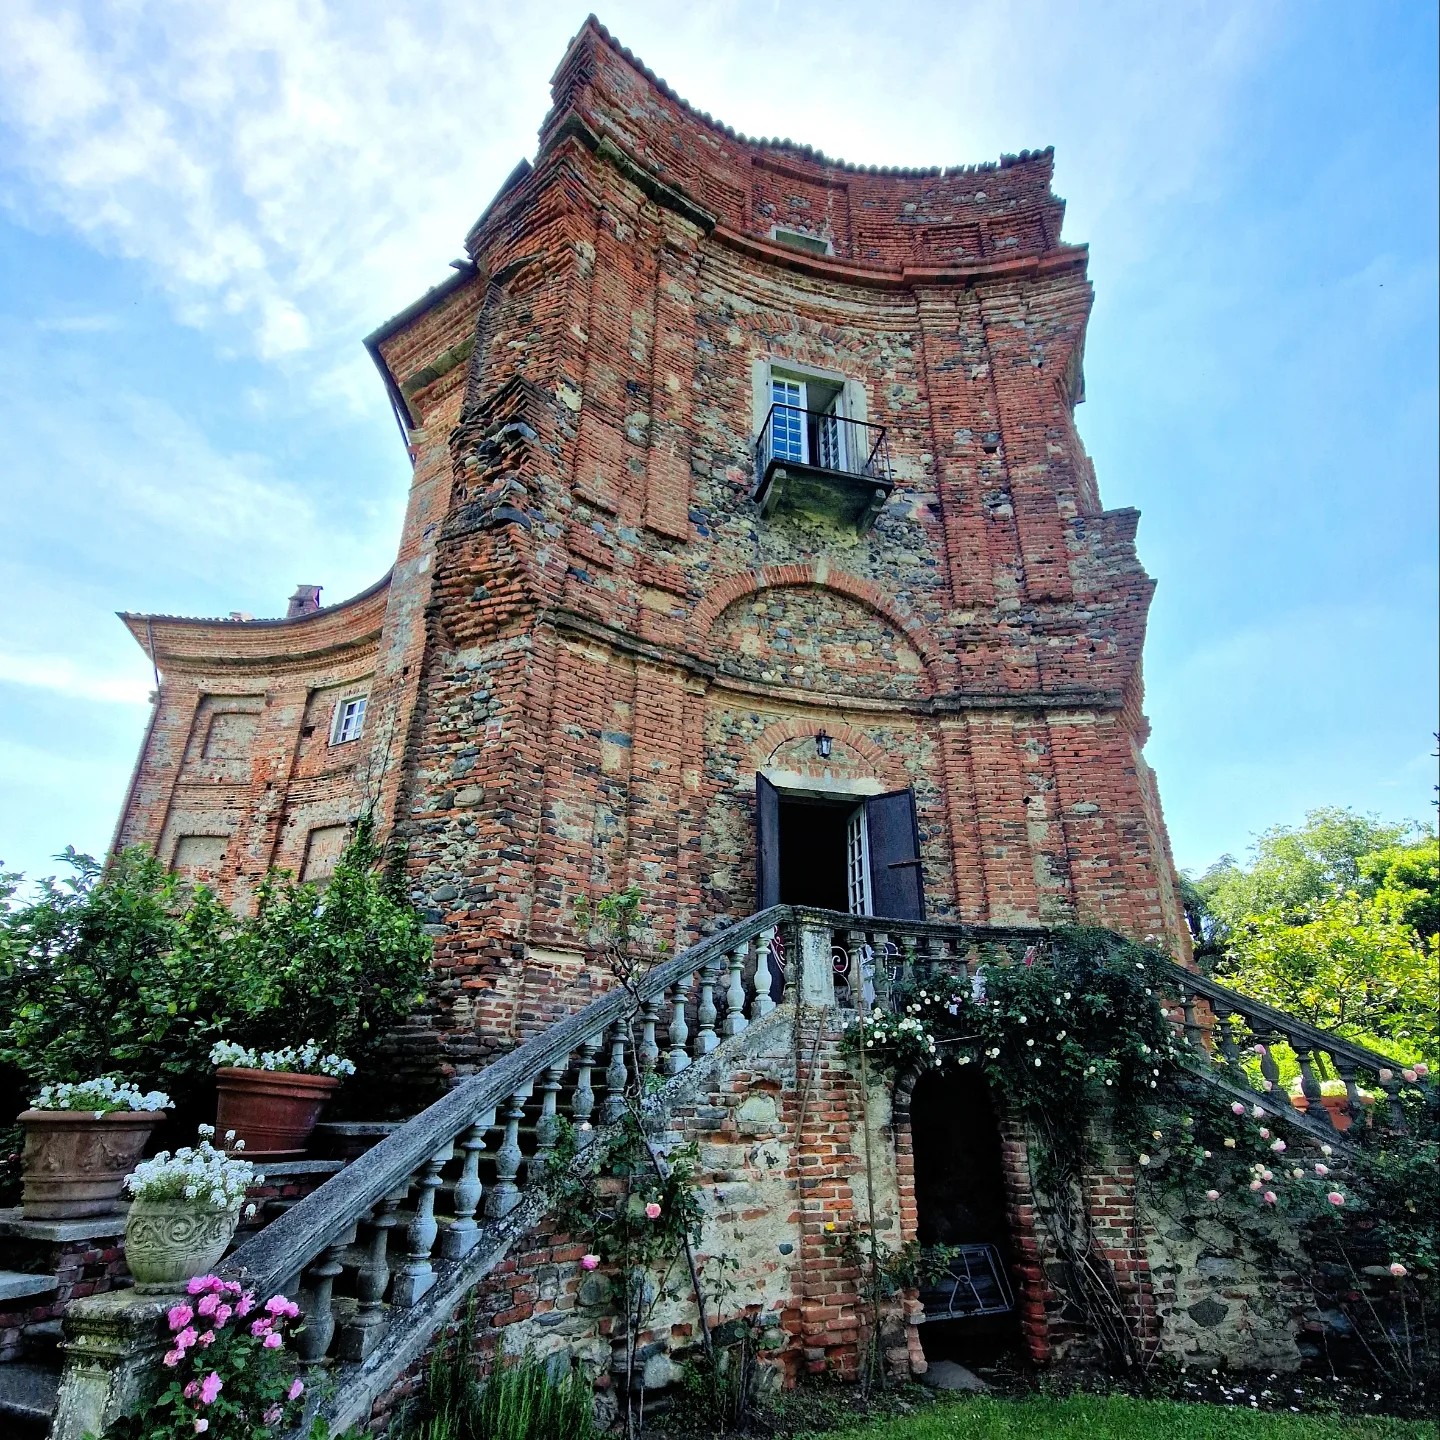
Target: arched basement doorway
(971,1314)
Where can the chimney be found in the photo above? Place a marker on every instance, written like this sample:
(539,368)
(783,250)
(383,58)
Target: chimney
(305,601)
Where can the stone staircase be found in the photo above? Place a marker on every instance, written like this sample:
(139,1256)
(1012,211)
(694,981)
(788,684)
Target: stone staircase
(383,1253)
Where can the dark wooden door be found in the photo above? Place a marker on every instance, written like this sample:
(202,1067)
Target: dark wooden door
(897,886)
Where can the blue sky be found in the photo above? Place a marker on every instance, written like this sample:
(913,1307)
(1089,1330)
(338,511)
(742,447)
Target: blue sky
(205,206)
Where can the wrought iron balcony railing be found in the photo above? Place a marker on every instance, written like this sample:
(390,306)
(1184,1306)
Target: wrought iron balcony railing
(821,462)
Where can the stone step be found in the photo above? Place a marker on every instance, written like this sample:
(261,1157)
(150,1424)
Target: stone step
(21,1285)
(27,1399)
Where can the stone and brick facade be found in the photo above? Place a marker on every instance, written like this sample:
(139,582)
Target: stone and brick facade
(592,642)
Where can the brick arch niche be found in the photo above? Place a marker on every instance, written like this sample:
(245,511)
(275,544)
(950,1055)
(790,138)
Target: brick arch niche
(958,1130)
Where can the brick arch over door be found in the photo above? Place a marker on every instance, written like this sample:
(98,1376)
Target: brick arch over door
(885,768)
(864,592)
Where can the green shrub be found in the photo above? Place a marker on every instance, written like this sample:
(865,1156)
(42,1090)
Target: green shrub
(131,972)
(523,1398)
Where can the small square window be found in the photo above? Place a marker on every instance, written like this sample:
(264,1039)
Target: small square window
(799,240)
(349,720)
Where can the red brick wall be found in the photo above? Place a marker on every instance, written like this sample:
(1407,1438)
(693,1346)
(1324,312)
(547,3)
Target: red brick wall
(591,641)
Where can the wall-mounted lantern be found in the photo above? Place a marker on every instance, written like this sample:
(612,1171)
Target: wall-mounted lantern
(822,745)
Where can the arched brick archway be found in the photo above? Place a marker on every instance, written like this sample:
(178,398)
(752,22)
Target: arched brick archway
(772,577)
(1027,1275)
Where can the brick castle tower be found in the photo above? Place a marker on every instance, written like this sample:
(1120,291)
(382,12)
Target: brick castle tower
(751,555)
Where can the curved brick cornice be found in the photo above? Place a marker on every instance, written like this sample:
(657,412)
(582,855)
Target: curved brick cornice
(182,643)
(775,577)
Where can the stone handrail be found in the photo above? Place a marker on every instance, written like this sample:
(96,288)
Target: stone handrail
(714,989)
(1228,1034)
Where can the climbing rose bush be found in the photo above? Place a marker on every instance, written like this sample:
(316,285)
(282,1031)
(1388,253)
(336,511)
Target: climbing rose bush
(230,1372)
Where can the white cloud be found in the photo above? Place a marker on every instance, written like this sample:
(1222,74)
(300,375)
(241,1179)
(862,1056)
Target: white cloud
(61,675)
(291,173)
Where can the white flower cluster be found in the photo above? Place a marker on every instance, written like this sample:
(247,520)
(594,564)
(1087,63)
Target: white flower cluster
(878,1028)
(200,1174)
(305,1059)
(101,1096)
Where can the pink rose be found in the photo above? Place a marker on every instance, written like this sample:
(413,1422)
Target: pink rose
(272,1341)
(1259,1049)
(243,1306)
(589,1262)
(1268,1197)
(1264,1134)
(1266,1175)
(272,1415)
(208,1338)
(1422,1068)
(1387,1074)
(1254,1184)
(197,1285)
(210,1387)
(180,1316)
(1238,1108)
(652,1210)
(174,1357)
(279,1305)
(1335,1198)
(1278,1146)
(201,1425)
(1212,1194)
(208,1303)
(296,1390)
(1398,1270)
(259,1328)
(185,1339)
(222,1314)
(191,1390)
(1411,1075)
(1321,1170)
(232,1287)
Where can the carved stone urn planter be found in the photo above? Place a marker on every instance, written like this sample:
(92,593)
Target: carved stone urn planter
(272,1111)
(75,1162)
(168,1242)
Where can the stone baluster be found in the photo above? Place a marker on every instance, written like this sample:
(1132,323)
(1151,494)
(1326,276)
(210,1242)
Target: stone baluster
(1193,1031)
(647,1052)
(850,969)
(1228,1048)
(904,952)
(1391,1087)
(582,1102)
(1269,1069)
(462,1232)
(417,1274)
(504,1194)
(547,1126)
(616,1076)
(1315,1106)
(1353,1101)
(678,1056)
(706,1040)
(316,1287)
(360,1334)
(765,976)
(735,1020)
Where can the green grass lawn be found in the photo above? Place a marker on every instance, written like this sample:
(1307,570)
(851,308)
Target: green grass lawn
(1120,1418)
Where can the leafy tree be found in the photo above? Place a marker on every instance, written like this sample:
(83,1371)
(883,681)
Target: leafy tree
(128,970)
(1336,921)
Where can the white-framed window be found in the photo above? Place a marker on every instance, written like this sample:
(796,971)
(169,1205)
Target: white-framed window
(349,719)
(807,418)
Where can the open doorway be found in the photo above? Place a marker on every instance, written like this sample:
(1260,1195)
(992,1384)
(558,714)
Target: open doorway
(815,836)
(859,855)
(960,1201)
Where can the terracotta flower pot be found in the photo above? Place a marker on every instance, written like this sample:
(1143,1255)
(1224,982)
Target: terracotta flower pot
(1339,1108)
(75,1164)
(168,1242)
(272,1111)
